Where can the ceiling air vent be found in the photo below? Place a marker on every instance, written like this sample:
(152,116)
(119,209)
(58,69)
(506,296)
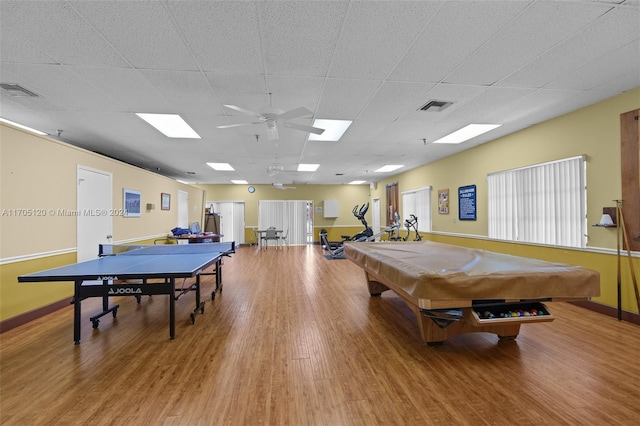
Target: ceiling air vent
(17,91)
(434,106)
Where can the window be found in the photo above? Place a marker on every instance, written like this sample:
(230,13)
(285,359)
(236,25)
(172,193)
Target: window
(291,215)
(417,202)
(544,203)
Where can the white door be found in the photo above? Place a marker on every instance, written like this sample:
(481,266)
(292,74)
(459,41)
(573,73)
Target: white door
(183,209)
(94,221)
(375,203)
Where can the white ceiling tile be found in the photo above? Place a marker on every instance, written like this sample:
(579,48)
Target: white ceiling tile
(611,31)
(299,38)
(457,30)
(140,31)
(223,36)
(56,29)
(526,37)
(344,99)
(370,43)
(185,90)
(393,100)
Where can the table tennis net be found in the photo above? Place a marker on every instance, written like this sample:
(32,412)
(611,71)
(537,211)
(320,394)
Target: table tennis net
(168,249)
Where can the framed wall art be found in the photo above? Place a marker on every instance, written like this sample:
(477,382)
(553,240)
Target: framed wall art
(131,202)
(165,201)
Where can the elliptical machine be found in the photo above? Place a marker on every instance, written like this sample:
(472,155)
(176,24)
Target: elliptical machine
(336,250)
(359,213)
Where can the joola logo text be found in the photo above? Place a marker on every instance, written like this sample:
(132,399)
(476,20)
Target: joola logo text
(116,291)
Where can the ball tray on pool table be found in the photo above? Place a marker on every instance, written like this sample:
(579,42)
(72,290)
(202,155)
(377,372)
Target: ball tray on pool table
(511,312)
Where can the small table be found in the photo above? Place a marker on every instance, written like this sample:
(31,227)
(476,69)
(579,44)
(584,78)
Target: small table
(261,232)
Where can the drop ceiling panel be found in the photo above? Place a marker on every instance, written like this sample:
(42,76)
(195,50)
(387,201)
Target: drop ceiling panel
(393,100)
(185,91)
(457,30)
(17,49)
(606,68)
(610,32)
(299,38)
(60,85)
(223,36)
(57,29)
(158,46)
(529,35)
(370,45)
(344,99)
(128,87)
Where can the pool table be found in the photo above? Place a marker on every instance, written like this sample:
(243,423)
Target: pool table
(455,290)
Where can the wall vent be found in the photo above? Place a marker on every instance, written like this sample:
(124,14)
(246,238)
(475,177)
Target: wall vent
(434,106)
(17,91)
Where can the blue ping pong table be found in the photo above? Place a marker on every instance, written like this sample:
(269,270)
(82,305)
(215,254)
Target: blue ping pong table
(111,274)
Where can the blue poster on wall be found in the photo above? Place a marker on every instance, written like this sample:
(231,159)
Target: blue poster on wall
(467,202)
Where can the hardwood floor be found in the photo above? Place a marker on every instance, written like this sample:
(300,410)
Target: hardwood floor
(295,339)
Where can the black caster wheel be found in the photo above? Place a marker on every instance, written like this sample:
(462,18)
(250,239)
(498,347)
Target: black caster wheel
(193,318)
(95,323)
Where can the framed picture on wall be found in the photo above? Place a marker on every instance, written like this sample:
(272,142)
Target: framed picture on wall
(165,201)
(443,201)
(131,202)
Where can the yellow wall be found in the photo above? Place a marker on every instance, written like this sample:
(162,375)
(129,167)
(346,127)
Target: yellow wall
(346,195)
(38,176)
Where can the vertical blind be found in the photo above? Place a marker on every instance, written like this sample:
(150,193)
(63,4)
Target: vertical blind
(231,219)
(418,203)
(545,203)
(285,215)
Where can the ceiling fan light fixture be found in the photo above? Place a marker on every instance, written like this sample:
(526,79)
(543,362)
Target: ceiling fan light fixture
(333,129)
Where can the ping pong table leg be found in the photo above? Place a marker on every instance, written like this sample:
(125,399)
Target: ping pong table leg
(172,310)
(76,312)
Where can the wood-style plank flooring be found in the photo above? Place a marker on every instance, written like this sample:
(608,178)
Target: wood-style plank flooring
(295,339)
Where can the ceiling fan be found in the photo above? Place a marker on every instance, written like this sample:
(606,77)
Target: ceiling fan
(272,117)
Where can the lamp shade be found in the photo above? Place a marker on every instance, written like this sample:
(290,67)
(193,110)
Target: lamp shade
(606,220)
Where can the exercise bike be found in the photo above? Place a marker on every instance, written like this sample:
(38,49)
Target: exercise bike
(412,222)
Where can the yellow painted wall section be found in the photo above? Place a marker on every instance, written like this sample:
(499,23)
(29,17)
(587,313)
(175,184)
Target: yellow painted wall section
(38,176)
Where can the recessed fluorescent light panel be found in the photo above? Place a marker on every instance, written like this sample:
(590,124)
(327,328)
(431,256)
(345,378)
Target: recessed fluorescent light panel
(171,125)
(388,168)
(239,182)
(221,167)
(467,132)
(357,182)
(308,167)
(333,130)
(29,129)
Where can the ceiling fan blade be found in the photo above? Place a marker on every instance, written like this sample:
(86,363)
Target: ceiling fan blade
(244,111)
(227,126)
(304,128)
(294,113)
